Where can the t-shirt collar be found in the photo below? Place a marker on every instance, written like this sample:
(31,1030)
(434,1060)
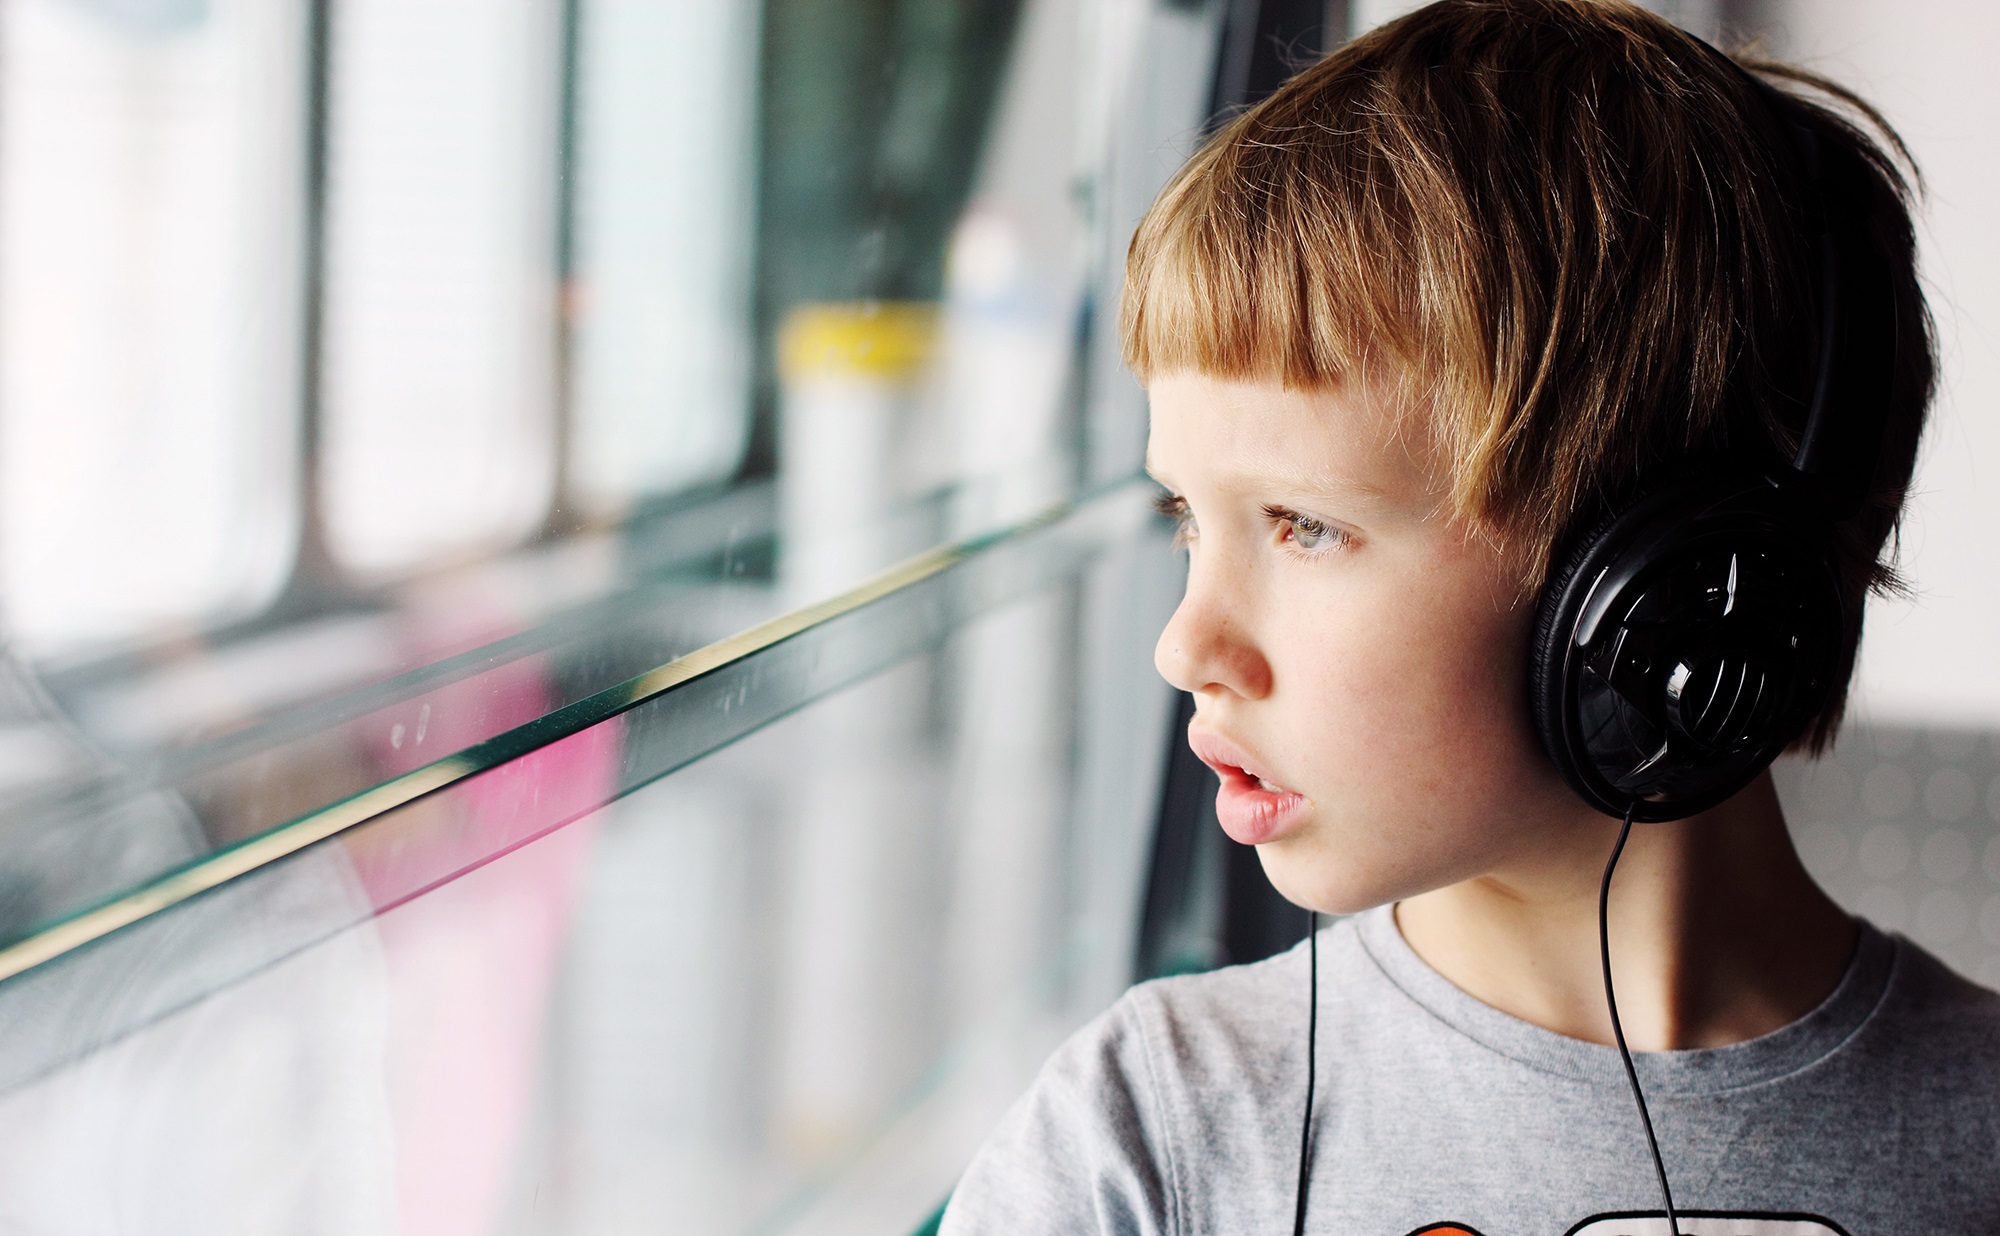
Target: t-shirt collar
(1699,1071)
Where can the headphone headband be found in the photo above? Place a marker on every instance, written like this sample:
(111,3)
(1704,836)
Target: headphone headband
(1847,408)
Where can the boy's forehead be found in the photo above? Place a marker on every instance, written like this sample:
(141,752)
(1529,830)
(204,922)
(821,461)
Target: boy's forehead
(1345,441)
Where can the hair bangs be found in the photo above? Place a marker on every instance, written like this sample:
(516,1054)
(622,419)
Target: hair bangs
(1321,238)
(1264,259)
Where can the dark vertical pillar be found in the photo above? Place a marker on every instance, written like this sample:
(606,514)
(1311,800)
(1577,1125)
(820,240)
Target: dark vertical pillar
(563,517)
(1264,42)
(315,583)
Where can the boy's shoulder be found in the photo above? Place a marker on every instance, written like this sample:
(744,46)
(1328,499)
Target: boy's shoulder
(1234,1039)
(1260,1002)
(1183,1082)
(1931,991)
(1935,1023)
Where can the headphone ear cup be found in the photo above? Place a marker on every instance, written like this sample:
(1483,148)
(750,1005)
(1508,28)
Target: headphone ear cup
(1682,644)
(1552,631)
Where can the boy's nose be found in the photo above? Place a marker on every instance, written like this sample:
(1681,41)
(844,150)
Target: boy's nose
(1206,648)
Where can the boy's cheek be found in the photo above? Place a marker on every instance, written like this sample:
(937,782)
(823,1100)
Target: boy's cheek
(1414,740)
(1425,667)
(1381,838)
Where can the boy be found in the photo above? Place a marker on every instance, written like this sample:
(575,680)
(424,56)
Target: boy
(1409,328)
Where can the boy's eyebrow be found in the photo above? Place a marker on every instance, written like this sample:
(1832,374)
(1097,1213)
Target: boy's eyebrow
(1340,489)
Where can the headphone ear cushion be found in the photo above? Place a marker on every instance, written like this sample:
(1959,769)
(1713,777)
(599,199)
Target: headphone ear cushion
(1714,632)
(1553,624)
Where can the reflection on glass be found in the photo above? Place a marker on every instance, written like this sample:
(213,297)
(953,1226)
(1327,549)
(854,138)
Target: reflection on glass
(785,988)
(666,92)
(263,1109)
(879,949)
(854,431)
(521,726)
(438,374)
(954,167)
(834,270)
(150,186)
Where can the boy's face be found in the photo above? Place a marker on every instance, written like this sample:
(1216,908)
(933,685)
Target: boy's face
(1357,657)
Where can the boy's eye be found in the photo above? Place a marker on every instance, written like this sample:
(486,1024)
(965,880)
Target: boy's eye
(1175,508)
(1304,531)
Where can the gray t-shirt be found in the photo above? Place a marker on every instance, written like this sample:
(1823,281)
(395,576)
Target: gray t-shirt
(1178,1112)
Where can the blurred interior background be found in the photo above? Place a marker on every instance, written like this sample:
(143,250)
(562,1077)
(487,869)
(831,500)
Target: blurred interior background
(418,419)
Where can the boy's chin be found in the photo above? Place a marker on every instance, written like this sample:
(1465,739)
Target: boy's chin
(1305,881)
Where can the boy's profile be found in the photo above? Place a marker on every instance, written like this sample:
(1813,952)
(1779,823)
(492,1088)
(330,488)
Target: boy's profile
(1451,293)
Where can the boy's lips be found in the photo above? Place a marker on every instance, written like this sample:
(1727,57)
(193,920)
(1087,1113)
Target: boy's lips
(1251,808)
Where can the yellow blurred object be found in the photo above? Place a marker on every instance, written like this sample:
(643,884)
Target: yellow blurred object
(880,339)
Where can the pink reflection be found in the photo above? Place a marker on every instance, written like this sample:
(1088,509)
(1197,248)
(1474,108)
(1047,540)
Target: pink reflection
(470,964)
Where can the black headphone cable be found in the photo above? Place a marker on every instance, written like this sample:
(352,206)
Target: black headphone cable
(1312,1062)
(1610,1004)
(1617,1030)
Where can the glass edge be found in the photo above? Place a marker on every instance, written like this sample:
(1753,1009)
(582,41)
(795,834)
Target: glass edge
(212,870)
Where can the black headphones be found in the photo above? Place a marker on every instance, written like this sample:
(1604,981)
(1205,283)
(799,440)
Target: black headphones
(1686,638)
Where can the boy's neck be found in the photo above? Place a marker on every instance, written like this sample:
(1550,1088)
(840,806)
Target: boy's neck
(1718,935)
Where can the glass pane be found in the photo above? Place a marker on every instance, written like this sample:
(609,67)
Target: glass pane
(560,744)
(288,836)
(1144,99)
(964,404)
(151,176)
(433,439)
(660,292)
(785,988)
(932,276)
(440,328)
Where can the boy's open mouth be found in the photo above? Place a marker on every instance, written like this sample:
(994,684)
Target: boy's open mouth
(1251,807)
